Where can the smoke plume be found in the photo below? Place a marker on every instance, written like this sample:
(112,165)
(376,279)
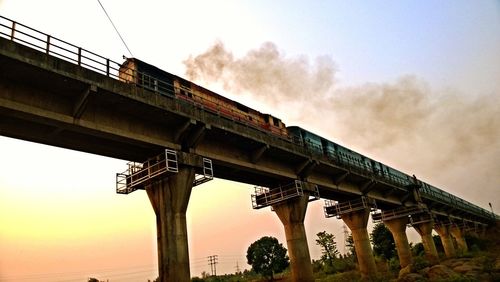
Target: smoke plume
(405,122)
(264,72)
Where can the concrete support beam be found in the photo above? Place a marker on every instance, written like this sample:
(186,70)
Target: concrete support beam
(458,234)
(169,198)
(444,233)
(425,231)
(258,153)
(306,171)
(337,180)
(397,227)
(367,186)
(292,214)
(357,222)
(195,136)
(81,103)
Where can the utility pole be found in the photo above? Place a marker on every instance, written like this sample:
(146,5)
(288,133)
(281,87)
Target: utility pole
(212,261)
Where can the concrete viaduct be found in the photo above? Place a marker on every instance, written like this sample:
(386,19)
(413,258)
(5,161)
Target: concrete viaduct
(71,98)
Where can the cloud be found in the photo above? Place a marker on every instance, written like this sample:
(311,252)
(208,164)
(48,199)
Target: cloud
(404,121)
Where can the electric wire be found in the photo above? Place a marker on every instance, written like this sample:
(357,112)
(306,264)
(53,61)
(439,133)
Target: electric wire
(109,18)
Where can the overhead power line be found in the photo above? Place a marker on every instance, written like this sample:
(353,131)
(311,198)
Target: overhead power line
(109,18)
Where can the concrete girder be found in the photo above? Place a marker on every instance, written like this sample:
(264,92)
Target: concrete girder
(195,136)
(256,154)
(389,193)
(27,71)
(367,186)
(337,180)
(306,168)
(82,101)
(181,130)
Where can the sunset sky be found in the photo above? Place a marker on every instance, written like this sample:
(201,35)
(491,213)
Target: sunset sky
(413,84)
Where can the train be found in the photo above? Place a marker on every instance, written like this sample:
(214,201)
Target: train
(152,78)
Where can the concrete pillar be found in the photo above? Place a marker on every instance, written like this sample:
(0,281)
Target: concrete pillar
(169,198)
(425,231)
(444,233)
(457,233)
(398,229)
(357,222)
(292,214)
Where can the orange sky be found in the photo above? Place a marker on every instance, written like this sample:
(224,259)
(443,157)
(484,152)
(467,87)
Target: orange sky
(67,221)
(437,63)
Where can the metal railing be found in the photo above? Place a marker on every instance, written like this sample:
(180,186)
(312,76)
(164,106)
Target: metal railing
(396,213)
(56,47)
(337,209)
(139,175)
(208,173)
(265,197)
(423,217)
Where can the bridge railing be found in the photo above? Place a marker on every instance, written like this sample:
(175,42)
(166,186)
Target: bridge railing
(54,46)
(436,194)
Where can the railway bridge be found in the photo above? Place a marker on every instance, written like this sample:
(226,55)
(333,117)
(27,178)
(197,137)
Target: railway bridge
(56,93)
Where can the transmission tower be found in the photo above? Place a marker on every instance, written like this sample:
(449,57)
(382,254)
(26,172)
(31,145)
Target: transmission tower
(237,268)
(213,261)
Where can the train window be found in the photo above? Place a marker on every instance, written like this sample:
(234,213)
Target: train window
(185,84)
(242,107)
(276,122)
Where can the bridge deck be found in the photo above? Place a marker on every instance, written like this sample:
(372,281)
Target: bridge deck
(62,102)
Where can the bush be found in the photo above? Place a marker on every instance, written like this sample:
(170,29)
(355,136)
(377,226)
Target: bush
(418,249)
(338,265)
(394,265)
(420,262)
(350,276)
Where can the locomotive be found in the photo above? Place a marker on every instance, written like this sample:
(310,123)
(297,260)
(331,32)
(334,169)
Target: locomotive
(164,83)
(152,78)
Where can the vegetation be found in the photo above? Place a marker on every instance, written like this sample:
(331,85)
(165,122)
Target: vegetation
(267,256)
(328,247)
(350,246)
(331,260)
(383,242)
(483,258)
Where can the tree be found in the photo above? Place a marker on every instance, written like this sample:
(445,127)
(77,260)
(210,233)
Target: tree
(267,256)
(383,242)
(349,243)
(328,247)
